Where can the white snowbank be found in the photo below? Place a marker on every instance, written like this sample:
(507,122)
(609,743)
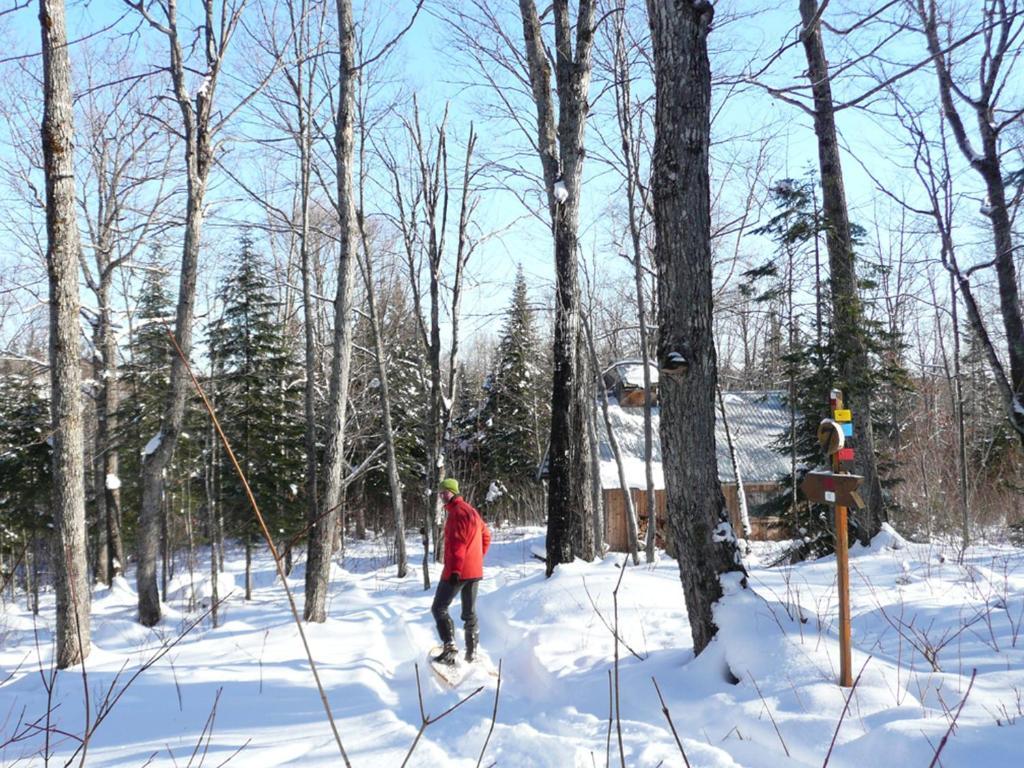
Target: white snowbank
(773,665)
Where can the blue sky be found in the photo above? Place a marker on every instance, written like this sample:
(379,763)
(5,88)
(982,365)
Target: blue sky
(426,62)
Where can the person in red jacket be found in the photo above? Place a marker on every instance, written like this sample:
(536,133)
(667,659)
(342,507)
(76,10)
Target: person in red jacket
(466,539)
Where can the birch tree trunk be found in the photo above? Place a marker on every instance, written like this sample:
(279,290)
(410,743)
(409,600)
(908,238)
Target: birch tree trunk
(852,361)
(72,584)
(320,545)
(697,515)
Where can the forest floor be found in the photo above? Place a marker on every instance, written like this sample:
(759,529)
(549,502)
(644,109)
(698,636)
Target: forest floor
(243,694)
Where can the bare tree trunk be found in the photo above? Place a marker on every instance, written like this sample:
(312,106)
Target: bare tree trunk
(561,154)
(1001,48)
(595,472)
(852,361)
(697,514)
(321,533)
(198,129)
(101,560)
(958,409)
(211,509)
(394,481)
(108,484)
(741,495)
(72,584)
(631,523)
(248,570)
(636,201)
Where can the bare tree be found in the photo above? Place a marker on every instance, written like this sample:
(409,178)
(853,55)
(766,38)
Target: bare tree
(561,148)
(123,190)
(1002,24)
(637,207)
(318,557)
(198,128)
(680,187)
(73,594)
(422,215)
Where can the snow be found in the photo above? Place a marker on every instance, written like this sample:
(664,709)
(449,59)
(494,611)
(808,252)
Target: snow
(495,491)
(755,421)
(778,638)
(561,191)
(153,444)
(204,88)
(632,373)
(113,482)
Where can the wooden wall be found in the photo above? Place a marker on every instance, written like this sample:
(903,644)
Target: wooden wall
(616,532)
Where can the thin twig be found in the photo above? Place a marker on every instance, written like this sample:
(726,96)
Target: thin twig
(609,626)
(611,714)
(618,705)
(494,717)
(426,720)
(952,724)
(846,707)
(770,715)
(671,725)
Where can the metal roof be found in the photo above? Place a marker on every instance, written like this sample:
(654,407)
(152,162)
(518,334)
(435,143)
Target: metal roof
(756,420)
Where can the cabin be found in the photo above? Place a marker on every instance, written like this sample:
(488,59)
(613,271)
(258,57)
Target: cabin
(624,381)
(754,419)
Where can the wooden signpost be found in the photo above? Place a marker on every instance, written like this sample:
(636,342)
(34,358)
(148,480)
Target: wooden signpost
(838,487)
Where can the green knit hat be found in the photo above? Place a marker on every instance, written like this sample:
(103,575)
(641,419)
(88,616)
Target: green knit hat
(450,484)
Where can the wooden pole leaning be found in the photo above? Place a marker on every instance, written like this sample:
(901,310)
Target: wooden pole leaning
(268,538)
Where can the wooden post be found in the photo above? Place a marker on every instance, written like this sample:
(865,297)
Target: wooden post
(842,561)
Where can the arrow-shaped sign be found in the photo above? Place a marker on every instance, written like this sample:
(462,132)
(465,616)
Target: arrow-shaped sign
(829,488)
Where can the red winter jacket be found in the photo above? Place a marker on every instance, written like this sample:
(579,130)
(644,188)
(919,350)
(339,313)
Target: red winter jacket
(466,540)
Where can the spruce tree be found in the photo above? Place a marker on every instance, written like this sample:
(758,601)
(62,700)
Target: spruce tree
(408,385)
(509,440)
(260,402)
(144,378)
(809,356)
(25,460)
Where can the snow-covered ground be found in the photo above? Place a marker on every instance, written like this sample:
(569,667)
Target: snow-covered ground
(246,685)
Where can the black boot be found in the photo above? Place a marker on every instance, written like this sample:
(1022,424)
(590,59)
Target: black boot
(449,655)
(472,643)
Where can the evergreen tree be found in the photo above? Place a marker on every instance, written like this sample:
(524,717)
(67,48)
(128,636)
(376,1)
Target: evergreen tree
(464,458)
(509,440)
(144,381)
(408,386)
(25,460)
(809,355)
(260,401)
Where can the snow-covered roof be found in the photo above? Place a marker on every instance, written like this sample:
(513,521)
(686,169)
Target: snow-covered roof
(756,419)
(631,372)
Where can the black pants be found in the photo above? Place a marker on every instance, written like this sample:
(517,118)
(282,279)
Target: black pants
(443,598)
